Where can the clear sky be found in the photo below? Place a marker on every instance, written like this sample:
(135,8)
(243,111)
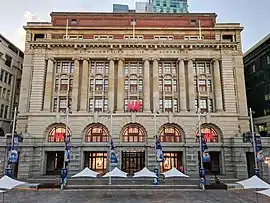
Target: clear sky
(253,15)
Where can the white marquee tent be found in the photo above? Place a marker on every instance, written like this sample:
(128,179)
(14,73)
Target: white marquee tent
(265,192)
(9,183)
(254,183)
(145,173)
(116,172)
(86,173)
(174,173)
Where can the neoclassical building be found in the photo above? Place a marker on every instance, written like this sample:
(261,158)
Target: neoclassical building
(101,62)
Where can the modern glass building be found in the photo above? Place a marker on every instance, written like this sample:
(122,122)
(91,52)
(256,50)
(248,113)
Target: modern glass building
(120,8)
(168,6)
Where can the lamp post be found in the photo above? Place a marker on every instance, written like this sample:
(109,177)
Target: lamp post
(110,147)
(256,169)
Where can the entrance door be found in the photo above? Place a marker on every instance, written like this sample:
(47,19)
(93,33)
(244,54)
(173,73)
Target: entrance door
(250,163)
(133,161)
(212,167)
(55,161)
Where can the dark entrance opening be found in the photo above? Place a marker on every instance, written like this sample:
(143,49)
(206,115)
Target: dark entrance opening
(171,159)
(55,161)
(250,163)
(133,161)
(212,167)
(96,161)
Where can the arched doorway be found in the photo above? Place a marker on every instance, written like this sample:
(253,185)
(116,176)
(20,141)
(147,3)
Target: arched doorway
(96,160)
(211,134)
(55,159)
(171,133)
(133,160)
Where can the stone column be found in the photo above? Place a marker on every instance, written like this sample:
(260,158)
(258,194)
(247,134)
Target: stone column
(121,86)
(191,92)
(155,85)
(75,88)
(84,86)
(49,86)
(182,85)
(217,85)
(146,86)
(111,85)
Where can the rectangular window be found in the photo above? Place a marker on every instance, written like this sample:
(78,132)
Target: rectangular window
(2,110)
(6,77)
(8,61)
(55,105)
(70,84)
(1,92)
(73,22)
(268,59)
(98,105)
(9,79)
(8,94)
(56,85)
(4,93)
(209,85)
(175,105)
(58,67)
(65,67)
(91,105)
(168,105)
(6,112)
(63,84)
(62,105)
(2,75)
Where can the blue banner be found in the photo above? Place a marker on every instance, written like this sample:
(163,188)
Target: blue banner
(259,151)
(159,152)
(67,150)
(204,151)
(113,155)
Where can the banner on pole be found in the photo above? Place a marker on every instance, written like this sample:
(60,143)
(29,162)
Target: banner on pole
(204,151)
(113,155)
(259,151)
(159,152)
(67,150)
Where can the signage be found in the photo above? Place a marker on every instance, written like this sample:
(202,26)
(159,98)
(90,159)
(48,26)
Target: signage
(13,156)
(259,151)
(204,150)
(159,152)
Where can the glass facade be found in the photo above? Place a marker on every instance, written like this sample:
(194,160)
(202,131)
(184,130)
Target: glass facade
(169,6)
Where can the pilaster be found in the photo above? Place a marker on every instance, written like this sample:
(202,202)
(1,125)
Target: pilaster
(111,85)
(182,85)
(120,86)
(75,88)
(217,86)
(84,85)
(49,85)
(155,85)
(191,92)
(146,86)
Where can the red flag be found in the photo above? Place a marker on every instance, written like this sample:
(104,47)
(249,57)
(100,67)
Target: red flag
(137,106)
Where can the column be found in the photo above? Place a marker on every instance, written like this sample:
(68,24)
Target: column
(217,86)
(111,85)
(155,85)
(182,85)
(75,88)
(49,86)
(191,92)
(146,86)
(120,86)
(84,85)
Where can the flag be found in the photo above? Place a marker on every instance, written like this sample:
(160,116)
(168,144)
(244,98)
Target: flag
(259,151)
(134,106)
(204,150)
(67,150)
(159,152)
(113,155)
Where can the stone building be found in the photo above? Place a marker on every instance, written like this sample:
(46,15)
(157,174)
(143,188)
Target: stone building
(11,62)
(97,65)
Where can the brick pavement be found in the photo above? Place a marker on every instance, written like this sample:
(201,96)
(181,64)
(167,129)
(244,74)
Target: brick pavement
(126,196)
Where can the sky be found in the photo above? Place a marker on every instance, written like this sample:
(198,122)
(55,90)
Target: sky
(253,15)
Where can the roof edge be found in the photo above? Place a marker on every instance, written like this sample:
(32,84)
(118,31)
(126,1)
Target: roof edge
(3,37)
(259,43)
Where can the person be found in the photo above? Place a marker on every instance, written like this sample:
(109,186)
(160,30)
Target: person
(217,180)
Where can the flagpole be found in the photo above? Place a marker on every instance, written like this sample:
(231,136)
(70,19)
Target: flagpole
(133,26)
(110,165)
(200,30)
(256,171)
(155,120)
(67,29)
(199,128)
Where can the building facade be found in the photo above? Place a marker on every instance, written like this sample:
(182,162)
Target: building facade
(257,76)
(99,68)
(11,61)
(168,6)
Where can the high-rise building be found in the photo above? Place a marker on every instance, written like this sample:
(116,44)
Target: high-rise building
(97,74)
(257,75)
(11,60)
(168,6)
(120,8)
(142,7)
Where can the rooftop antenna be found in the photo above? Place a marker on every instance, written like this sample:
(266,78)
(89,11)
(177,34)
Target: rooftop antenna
(133,23)
(200,31)
(66,30)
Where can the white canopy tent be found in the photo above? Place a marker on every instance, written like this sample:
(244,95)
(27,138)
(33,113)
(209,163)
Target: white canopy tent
(174,173)
(9,183)
(265,192)
(88,173)
(254,183)
(145,173)
(116,172)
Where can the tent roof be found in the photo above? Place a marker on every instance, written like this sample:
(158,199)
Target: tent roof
(116,172)
(86,173)
(253,183)
(9,183)
(145,173)
(265,192)
(174,173)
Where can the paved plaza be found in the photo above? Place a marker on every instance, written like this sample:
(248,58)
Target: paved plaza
(138,196)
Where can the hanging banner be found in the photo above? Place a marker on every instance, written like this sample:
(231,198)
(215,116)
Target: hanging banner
(159,152)
(67,150)
(113,155)
(204,151)
(259,151)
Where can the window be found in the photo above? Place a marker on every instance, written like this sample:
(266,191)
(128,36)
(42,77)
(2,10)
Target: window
(2,110)
(6,112)
(268,59)
(164,37)
(73,22)
(8,94)
(133,133)
(38,36)
(97,161)
(227,38)
(2,75)
(9,79)
(6,77)
(56,85)
(140,37)
(58,133)
(65,67)
(8,61)
(170,133)
(96,133)
(193,22)
(171,159)
(63,84)
(4,93)
(103,37)
(209,134)
(253,68)
(55,102)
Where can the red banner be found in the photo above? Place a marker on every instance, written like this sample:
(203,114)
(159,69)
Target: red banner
(134,106)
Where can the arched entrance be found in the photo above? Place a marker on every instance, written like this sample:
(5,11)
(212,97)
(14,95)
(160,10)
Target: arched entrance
(133,160)
(55,159)
(96,160)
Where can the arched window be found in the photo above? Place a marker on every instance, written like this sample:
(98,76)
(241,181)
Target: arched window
(96,133)
(209,134)
(57,134)
(133,133)
(170,133)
